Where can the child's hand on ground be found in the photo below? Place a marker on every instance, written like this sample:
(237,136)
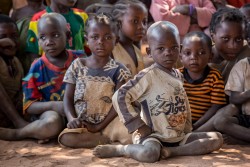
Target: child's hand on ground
(74,123)
(144,131)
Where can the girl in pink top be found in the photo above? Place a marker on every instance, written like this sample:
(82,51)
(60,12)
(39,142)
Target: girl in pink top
(187,15)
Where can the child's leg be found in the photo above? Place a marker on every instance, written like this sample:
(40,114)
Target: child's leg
(49,125)
(149,152)
(9,109)
(196,144)
(227,123)
(82,140)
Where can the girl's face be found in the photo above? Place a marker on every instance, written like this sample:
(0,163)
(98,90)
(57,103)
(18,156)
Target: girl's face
(164,49)
(134,23)
(228,39)
(101,39)
(195,54)
(9,30)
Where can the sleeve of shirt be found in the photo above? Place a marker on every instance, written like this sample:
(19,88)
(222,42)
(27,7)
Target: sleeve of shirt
(236,78)
(32,40)
(205,12)
(31,91)
(123,74)
(162,10)
(125,96)
(218,93)
(70,75)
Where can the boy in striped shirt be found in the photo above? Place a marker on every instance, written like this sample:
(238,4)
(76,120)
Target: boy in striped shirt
(204,85)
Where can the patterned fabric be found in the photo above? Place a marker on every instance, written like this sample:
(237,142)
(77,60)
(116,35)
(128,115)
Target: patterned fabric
(76,20)
(94,88)
(164,104)
(122,56)
(44,82)
(239,81)
(205,92)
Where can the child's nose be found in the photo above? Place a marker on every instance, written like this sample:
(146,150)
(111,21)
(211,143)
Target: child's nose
(232,44)
(49,41)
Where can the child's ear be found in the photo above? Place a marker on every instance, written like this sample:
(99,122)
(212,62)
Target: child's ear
(117,40)
(148,51)
(85,38)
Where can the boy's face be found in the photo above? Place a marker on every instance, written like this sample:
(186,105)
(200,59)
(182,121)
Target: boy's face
(9,30)
(101,39)
(195,54)
(164,49)
(134,23)
(52,37)
(228,39)
(68,3)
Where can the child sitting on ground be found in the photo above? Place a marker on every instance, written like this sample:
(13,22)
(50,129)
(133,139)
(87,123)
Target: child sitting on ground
(235,117)
(227,29)
(91,82)
(75,21)
(11,74)
(204,85)
(164,125)
(43,87)
(131,16)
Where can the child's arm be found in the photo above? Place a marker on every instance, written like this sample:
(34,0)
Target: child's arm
(68,102)
(208,114)
(239,97)
(40,107)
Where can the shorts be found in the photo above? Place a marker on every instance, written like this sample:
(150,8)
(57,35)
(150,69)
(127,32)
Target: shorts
(244,120)
(137,140)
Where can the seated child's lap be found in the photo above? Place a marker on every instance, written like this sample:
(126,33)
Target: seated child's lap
(244,120)
(115,131)
(137,140)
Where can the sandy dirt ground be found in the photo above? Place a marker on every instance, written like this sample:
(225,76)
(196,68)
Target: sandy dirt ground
(30,154)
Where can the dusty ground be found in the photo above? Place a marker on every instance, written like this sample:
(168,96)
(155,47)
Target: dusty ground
(29,153)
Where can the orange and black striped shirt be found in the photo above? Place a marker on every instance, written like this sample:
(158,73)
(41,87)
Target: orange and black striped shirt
(204,92)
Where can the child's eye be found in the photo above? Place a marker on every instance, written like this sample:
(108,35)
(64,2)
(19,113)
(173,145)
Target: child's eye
(108,37)
(186,53)
(161,48)
(201,53)
(225,38)
(145,22)
(56,35)
(239,39)
(136,21)
(42,37)
(94,37)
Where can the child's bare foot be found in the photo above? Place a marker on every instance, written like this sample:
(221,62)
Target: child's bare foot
(165,153)
(107,151)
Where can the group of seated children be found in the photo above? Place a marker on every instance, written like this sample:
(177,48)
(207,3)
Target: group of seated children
(108,96)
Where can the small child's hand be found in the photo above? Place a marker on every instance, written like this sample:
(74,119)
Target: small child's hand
(7,42)
(91,127)
(75,123)
(144,131)
(182,9)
